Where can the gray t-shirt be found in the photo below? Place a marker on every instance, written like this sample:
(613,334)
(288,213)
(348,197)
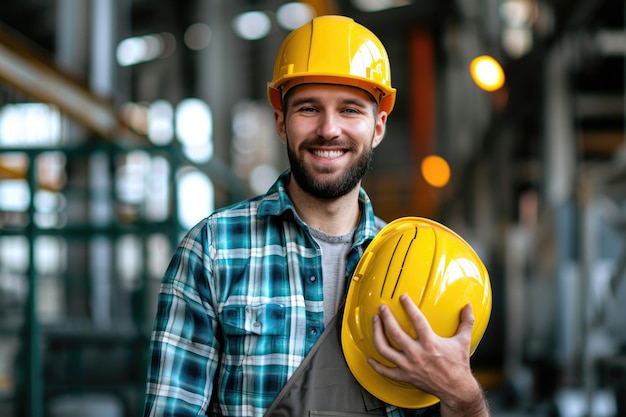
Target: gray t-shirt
(334,253)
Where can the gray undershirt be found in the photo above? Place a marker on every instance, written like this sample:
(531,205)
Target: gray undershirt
(334,253)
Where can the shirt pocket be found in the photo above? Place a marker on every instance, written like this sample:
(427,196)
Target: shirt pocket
(262,319)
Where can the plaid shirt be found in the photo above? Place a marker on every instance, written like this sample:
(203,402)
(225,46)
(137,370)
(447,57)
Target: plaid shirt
(240,306)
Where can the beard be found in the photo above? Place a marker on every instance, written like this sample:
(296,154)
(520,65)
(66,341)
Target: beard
(331,189)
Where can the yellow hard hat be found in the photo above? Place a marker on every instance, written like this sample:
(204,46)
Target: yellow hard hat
(438,270)
(333,50)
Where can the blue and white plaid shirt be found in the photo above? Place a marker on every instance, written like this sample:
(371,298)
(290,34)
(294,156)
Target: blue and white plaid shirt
(241,304)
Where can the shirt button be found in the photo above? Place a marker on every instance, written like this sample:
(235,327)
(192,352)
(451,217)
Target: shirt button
(313,331)
(312,278)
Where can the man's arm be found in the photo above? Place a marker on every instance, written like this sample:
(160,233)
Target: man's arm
(183,348)
(434,364)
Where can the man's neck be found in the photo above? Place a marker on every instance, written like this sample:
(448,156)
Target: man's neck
(334,217)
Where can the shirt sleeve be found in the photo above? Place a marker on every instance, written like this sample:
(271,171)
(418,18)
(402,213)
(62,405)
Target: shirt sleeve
(184,347)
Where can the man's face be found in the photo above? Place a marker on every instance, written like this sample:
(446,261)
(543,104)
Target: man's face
(330,132)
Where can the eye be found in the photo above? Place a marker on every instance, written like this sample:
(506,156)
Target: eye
(351,110)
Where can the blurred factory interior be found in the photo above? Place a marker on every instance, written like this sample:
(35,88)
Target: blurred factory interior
(122,123)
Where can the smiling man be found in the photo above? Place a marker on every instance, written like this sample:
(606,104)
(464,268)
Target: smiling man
(252,287)
(341,127)
(330,132)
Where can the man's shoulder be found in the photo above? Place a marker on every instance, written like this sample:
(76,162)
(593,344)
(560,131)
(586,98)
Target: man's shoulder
(273,203)
(255,210)
(238,208)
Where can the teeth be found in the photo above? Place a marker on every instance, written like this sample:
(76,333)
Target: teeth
(328,154)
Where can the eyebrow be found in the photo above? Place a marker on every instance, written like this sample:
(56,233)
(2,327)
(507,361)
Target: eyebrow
(349,101)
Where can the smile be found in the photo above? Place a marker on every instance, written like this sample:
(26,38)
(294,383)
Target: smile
(328,154)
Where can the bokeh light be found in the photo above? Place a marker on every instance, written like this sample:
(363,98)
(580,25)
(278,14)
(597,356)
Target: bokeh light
(294,14)
(487,73)
(436,171)
(252,25)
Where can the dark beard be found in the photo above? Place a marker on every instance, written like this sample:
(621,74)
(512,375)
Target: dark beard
(336,189)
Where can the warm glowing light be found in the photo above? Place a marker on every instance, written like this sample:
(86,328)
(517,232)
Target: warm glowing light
(436,171)
(487,73)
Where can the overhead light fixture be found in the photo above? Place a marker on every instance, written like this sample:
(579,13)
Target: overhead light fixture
(294,14)
(517,42)
(195,196)
(487,73)
(160,122)
(132,51)
(518,13)
(194,129)
(518,19)
(252,25)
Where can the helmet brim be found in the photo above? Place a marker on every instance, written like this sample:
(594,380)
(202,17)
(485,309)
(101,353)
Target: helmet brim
(384,96)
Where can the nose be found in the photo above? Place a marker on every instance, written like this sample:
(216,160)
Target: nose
(328,127)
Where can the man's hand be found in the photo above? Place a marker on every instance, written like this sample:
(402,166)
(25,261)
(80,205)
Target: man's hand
(434,364)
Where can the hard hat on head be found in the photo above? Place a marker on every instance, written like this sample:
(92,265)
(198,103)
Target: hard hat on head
(333,50)
(438,270)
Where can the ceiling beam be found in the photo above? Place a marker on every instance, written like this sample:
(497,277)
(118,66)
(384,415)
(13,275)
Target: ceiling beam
(25,70)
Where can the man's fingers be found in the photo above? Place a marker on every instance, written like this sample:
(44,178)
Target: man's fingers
(418,320)
(391,340)
(467,321)
(381,343)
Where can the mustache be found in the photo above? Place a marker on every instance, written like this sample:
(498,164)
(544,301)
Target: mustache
(323,143)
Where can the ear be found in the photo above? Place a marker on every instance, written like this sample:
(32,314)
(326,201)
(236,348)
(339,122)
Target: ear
(279,119)
(379,128)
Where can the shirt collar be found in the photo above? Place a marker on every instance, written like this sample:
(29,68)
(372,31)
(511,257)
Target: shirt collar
(276,202)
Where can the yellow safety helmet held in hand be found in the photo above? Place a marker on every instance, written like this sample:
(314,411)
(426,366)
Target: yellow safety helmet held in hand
(438,270)
(333,50)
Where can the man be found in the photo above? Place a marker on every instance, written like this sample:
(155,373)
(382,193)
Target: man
(251,288)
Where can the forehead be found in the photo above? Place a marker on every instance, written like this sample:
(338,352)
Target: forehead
(334,91)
